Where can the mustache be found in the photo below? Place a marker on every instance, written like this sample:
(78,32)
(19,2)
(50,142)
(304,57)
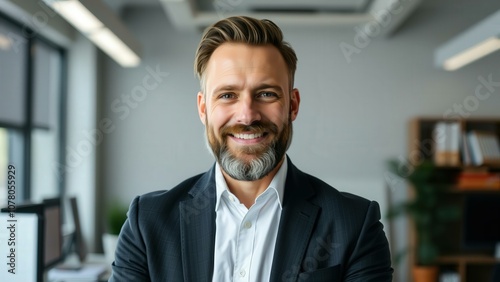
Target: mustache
(256,127)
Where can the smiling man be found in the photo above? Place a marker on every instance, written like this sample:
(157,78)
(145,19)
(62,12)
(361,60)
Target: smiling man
(253,216)
(248,106)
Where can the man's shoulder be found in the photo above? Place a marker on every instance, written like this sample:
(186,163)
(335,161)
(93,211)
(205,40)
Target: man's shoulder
(325,193)
(341,207)
(169,197)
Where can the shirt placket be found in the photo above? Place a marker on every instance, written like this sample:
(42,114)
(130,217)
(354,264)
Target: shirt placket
(245,247)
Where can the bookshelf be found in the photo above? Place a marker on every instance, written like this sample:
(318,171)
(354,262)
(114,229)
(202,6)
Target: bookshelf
(470,169)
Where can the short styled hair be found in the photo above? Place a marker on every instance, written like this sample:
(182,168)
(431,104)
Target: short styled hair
(242,29)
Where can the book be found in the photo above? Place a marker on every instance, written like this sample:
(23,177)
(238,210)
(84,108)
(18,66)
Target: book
(466,156)
(453,146)
(489,148)
(446,136)
(478,180)
(485,148)
(439,135)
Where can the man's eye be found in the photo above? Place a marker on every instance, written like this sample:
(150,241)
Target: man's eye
(267,94)
(226,96)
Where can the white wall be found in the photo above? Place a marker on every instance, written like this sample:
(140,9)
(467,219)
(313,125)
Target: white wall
(80,151)
(157,139)
(353,116)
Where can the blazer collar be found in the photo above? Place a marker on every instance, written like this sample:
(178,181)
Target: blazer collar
(296,225)
(197,229)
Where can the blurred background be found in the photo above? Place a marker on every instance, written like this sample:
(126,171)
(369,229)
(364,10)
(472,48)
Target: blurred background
(75,120)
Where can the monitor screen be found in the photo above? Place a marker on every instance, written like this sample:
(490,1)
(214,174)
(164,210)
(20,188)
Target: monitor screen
(80,246)
(53,253)
(481,228)
(26,248)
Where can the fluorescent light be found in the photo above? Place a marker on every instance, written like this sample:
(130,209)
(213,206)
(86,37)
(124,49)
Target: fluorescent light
(472,44)
(77,15)
(114,47)
(474,53)
(101,25)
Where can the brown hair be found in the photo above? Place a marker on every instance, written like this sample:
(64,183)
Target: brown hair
(247,30)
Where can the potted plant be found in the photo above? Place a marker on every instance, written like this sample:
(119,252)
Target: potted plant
(428,212)
(116,216)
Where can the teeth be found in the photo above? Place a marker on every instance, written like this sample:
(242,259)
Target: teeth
(248,136)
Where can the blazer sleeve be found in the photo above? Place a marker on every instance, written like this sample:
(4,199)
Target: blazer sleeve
(130,257)
(371,259)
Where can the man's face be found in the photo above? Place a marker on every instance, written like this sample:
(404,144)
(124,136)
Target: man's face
(248,109)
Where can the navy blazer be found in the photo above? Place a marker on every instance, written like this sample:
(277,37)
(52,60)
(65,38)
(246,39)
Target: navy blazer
(324,234)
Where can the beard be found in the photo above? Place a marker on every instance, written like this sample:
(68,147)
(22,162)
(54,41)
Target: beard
(253,162)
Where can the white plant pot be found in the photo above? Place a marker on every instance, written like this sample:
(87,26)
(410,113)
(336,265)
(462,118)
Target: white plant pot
(109,242)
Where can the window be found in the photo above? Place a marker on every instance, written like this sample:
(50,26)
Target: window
(31,135)
(46,116)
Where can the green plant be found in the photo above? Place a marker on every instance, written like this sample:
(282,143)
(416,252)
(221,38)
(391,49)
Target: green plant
(116,216)
(427,207)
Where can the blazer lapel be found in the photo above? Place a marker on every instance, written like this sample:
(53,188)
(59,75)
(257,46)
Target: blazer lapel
(197,227)
(296,225)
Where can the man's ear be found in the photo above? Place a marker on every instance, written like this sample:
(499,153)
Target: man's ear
(202,107)
(294,103)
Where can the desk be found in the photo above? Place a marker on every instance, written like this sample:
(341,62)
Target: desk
(92,262)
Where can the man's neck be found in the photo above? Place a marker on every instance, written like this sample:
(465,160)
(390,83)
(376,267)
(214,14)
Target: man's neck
(248,191)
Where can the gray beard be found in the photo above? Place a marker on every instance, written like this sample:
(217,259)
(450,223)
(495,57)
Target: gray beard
(240,170)
(256,169)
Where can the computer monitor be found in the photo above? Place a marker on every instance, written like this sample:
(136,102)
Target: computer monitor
(27,231)
(78,240)
(52,211)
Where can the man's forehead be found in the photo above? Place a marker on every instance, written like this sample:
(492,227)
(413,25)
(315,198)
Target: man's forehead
(250,55)
(231,60)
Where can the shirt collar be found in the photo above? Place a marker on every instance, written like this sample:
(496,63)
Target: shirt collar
(277,184)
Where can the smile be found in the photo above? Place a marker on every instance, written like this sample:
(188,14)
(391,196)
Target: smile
(248,136)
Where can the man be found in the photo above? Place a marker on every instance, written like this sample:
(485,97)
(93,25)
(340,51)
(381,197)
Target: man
(253,216)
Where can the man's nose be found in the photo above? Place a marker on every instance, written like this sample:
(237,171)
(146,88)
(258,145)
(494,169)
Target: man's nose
(248,111)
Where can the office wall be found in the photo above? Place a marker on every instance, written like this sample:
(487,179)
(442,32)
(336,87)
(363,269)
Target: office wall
(80,153)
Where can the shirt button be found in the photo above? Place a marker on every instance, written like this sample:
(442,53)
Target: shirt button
(243,273)
(247,224)
(231,198)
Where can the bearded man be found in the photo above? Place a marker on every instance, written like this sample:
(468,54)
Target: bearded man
(253,216)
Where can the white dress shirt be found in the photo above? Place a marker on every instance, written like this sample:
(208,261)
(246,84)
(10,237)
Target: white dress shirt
(245,238)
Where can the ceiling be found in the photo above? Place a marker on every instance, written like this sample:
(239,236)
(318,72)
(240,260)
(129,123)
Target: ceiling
(196,14)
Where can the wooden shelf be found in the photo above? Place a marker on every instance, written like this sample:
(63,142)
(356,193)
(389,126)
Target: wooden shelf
(474,190)
(464,265)
(470,167)
(468,259)
(422,147)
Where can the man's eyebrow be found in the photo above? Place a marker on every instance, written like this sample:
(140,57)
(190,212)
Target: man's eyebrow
(225,88)
(269,86)
(230,87)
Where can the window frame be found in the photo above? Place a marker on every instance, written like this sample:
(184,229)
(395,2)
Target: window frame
(29,126)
